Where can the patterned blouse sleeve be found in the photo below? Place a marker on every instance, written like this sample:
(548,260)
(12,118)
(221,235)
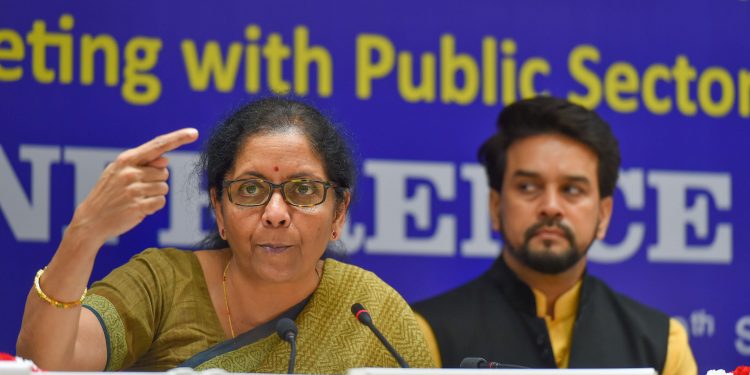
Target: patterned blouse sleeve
(128,303)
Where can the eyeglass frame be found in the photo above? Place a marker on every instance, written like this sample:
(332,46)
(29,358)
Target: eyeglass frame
(326,184)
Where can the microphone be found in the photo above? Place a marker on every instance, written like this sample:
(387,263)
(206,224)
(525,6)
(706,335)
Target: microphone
(364,317)
(478,362)
(287,330)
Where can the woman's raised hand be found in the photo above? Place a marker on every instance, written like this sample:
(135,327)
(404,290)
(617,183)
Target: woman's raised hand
(130,188)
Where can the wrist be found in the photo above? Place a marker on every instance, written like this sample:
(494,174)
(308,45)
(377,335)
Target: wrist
(51,300)
(81,240)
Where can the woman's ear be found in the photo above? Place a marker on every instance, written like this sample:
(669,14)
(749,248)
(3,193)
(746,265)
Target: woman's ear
(339,217)
(218,213)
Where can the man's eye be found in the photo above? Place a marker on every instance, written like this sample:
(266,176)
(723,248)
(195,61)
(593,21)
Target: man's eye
(573,190)
(527,187)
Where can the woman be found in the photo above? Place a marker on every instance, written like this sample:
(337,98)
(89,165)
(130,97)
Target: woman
(280,179)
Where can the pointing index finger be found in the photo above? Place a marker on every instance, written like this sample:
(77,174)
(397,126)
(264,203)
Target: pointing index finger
(160,145)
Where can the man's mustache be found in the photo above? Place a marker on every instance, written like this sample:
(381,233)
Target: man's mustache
(549,222)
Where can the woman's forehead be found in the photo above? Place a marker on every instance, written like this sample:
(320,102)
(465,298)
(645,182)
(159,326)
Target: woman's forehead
(278,154)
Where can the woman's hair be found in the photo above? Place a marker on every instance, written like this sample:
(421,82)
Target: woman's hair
(268,116)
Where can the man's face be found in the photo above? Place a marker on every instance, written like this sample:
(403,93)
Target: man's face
(549,210)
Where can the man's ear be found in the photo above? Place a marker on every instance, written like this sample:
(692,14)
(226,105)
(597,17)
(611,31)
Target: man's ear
(218,213)
(494,207)
(605,214)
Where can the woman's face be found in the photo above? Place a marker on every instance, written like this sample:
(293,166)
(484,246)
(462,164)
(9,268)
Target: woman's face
(278,242)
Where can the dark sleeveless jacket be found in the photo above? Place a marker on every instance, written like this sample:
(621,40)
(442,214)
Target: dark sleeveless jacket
(494,317)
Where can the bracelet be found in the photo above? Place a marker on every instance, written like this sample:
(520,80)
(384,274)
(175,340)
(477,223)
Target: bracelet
(50,300)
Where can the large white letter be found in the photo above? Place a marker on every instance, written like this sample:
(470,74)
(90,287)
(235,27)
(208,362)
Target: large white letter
(742,329)
(481,243)
(353,236)
(392,206)
(29,219)
(674,216)
(631,184)
(186,202)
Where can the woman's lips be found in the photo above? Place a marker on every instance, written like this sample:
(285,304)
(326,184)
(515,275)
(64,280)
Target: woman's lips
(274,248)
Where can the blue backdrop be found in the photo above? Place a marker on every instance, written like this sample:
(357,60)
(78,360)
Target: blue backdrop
(418,86)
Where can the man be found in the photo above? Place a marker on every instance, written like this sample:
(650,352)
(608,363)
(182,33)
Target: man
(552,168)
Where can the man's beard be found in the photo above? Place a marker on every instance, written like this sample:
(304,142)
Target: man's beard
(545,260)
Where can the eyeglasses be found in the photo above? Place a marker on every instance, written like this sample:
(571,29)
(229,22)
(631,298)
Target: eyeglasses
(257,192)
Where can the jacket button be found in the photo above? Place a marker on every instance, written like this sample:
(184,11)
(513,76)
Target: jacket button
(540,340)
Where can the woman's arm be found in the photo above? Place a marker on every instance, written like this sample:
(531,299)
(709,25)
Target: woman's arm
(131,188)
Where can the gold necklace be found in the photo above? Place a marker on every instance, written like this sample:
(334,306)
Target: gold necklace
(226,300)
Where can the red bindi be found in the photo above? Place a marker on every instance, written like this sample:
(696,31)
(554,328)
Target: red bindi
(275,168)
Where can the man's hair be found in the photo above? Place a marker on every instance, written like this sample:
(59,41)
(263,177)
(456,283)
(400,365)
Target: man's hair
(549,115)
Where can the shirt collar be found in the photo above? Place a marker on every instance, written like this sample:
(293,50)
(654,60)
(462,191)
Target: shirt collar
(566,306)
